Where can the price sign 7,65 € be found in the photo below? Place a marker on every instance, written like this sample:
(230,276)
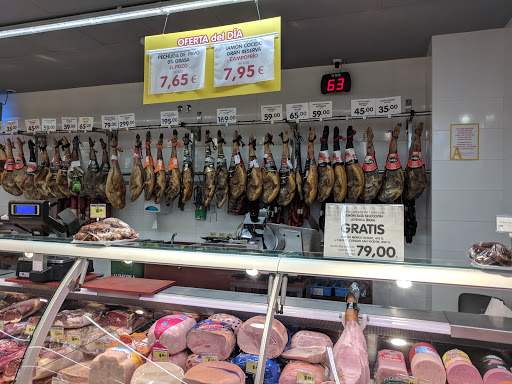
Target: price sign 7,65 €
(177,69)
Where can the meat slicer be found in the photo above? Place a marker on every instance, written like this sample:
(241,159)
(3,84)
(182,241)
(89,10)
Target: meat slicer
(262,234)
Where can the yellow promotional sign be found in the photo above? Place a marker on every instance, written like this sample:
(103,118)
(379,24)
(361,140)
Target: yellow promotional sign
(208,37)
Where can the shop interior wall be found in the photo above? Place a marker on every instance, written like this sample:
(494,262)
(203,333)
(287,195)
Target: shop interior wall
(408,78)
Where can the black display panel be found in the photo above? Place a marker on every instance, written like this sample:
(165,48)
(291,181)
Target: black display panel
(335,82)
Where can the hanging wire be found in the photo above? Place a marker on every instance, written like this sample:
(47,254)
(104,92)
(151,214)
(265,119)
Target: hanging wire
(258,9)
(165,24)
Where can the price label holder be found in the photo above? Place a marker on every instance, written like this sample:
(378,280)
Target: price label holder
(169,119)
(109,122)
(251,367)
(244,61)
(98,345)
(32,125)
(1,326)
(177,69)
(305,378)
(207,358)
(226,115)
(30,329)
(70,124)
(388,106)
(85,123)
(56,380)
(272,112)
(74,339)
(364,231)
(160,355)
(126,121)
(98,211)
(362,107)
(320,109)
(57,334)
(49,125)
(297,111)
(11,126)
(504,223)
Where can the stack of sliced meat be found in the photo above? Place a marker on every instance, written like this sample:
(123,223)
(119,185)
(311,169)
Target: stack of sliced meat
(110,229)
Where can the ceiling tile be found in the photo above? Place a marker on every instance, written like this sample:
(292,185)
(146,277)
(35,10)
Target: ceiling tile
(113,33)
(65,40)
(18,46)
(19,11)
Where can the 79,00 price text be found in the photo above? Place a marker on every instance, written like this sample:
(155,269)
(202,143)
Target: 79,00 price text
(380,251)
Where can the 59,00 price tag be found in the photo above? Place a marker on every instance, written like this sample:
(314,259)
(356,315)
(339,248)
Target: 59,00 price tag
(109,122)
(363,107)
(126,121)
(272,112)
(11,126)
(169,118)
(226,115)
(32,125)
(70,124)
(320,109)
(49,125)
(297,111)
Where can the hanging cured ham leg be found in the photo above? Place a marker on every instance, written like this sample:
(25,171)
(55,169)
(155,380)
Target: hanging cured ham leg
(173,173)
(29,188)
(254,175)
(76,172)
(8,182)
(90,174)
(393,180)
(325,171)
(62,174)
(20,167)
(187,174)
(137,175)
(3,159)
(100,180)
(270,175)
(415,173)
(237,172)
(160,178)
(310,171)
(42,170)
(149,170)
(339,190)
(298,165)
(286,174)
(208,172)
(372,178)
(51,178)
(221,175)
(116,189)
(355,175)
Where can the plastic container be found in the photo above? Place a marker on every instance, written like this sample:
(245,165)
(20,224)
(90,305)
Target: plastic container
(321,288)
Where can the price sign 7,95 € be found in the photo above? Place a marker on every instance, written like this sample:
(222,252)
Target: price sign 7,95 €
(177,69)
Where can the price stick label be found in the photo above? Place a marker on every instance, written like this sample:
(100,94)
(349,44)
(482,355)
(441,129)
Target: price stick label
(126,121)
(98,345)
(169,118)
(320,109)
(177,70)
(387,106)
(11,126)
(297,111)
(70,124)
(32,125)
(56,380)
(74,339)
(160,355)
(30,329)
(226,115)
(85,123)
(251,367)
(305,378)
(245,61)
(49,125)
(205,359)
(272,112)
(98,211)
(362,107)
(57,333)
(1,326)
(109,122)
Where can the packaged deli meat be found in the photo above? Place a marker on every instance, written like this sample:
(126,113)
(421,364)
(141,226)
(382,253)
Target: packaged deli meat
(459,369)
(52,360)
(488,253)
(389,363)
(494,370)
(170,333)
(137,341)
(77,318)
(313,355)
(234,322)
(248,364)
(117,364)
(76,374)
(129,319)
(249,337)
(426,364)
(215,372)
(310,339)
(158,373)
(299,372)
(211,338)
(16,312)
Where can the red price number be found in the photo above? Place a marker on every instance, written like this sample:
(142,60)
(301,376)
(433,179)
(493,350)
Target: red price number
(335,84)
(242,71)
(177,80)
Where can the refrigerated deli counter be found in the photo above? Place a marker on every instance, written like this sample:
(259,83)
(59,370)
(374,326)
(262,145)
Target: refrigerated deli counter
(75,332)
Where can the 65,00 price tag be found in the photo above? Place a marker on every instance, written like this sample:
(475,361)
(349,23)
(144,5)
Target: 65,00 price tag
(320,109)
(362,107)
(49,125)
(85,123)
(272,112)
(109,122)
(11,126)
(226,115)
(297,111)
(126,121)
(169,118)
(70,124)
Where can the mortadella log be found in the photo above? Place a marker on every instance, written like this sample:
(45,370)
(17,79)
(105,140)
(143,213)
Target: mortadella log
(149,170)
(208,172)
(393,179)
(310,171)
(136,184)
(160,178)
(339,190)
(221,175)
(355,175)
(270,175)
(372,178)
(286,174)
(254,175)
(325,171)
(415,173)
(237,172)
(173,172)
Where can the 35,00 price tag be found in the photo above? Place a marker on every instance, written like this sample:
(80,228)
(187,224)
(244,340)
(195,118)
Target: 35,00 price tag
(226,115)
(272,112)
(169,118)
(320,109)
(70,124)
(85,123)
(49,125)
(32,125)
(11,126)
(126,121)
(297,111)
(362,107)
(244,61)
(109,122)
(388,105)
(98,211)
(177,69)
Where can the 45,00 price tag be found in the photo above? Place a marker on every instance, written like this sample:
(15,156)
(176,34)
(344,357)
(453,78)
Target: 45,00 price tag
(363,107)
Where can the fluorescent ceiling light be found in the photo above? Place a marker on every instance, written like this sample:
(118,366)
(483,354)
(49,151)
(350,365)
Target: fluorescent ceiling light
(131,13)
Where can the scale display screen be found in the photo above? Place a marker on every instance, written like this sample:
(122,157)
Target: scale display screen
(25,209)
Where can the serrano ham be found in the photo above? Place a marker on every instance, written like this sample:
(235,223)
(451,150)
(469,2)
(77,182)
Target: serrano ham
(222,184)
(42,170)
(372,178)
(116,189)
(310,171)
(160,178)
(100,180)
(136,176)
(271,182)
(20,167)
(237,172)
(208,172)
(415,173)
(149,170)
(298,165)
(339,190)
(254,175)
(62,174)
(325,171)
(173,172)
(8,182)
(3,159)
(51,178)
(355,175)
(286,174)
(93,168)
(29,187)
(187,174)
(393,179)
(75,173)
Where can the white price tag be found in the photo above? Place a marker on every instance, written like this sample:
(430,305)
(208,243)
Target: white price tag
(272,112)
(49,125)
(11,126)
(388,105)
(32,125)
(363,107)
(364,231)
(244,61)
(169,118)
(226,115)
(177,69)
(109,122)
(85,123)
(70,124)
(320,109)
(126,121)
(504,223)
(297,111)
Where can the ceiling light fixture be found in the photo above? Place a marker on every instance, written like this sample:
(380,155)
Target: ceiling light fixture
(131,13)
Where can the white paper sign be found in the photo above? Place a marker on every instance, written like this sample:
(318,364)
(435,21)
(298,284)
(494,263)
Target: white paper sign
(244,61)
(177,70)
(464,141)
(364,231)
(109,122)
(169,118)
(11,126)
(49,125)
(32,125)
(297,111)
(320,109)
(388,105)
(126,121)
(504,223)
(70,124)
(85,123)
(272,112)
(362,107)
(226,115)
